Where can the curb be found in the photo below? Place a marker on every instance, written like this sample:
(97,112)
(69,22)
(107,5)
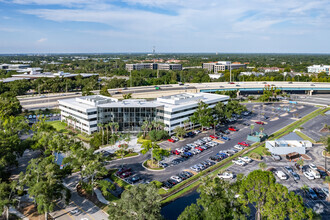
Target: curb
(151,169)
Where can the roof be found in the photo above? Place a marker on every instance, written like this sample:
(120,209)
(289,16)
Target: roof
(292,137)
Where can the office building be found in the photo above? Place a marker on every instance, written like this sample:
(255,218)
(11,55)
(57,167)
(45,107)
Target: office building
(85,113)
(153,66)
(222,66)
(288,146)
(318,69)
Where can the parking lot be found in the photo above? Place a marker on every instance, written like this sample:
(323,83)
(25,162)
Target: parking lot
(278,118)
(319,204)
(313,127)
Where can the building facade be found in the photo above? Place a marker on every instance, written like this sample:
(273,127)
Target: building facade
(153,66)
(282,147)
(222,66)
(85,113)
(318,69)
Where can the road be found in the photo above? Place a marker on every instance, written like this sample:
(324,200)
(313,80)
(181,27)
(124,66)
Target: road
(270,127)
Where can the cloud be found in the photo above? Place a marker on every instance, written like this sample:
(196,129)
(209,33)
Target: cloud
(41,40)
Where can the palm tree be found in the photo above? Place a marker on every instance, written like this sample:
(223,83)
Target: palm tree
(185,123)
(107,127)
(145,128)
(325,140)
(100,125)
(327,181)
(149,146)
(251,127)
(261,129)
(262,166)
(116,126)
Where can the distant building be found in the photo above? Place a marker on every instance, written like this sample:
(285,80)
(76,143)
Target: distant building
(318,69)
(288,146)
(34,75)
(153,66)
(270,69)
(252,73)
(14,66)
(222,66)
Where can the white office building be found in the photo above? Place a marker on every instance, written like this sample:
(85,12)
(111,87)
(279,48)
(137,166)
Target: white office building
(318,69)
(288,146)
(222,66)
(84,113)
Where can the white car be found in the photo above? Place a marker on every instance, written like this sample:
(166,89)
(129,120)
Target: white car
(312,166)
(280,174)
(238,147)
(195,168)
(239,162)
(309,175)
(225,175)
(245,159)
(176,178)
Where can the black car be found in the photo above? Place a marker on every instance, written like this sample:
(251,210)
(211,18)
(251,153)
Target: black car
(171,181)
(322,173)
(133,179)
(246,124)
(188,173)
(167,185)
(227,132)
(221,131)
(320,193)
(183,176)
(219,134)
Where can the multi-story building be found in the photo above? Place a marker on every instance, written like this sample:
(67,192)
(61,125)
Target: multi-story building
(153,66)
(222,66)
(85,113)
(318,69)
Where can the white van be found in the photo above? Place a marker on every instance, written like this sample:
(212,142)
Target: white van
(280,174)
(315,173)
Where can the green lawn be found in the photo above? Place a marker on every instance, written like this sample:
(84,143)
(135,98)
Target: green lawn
(58,125)
(305,137)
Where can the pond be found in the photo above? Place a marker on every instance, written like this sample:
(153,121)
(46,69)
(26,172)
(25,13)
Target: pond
(174,209)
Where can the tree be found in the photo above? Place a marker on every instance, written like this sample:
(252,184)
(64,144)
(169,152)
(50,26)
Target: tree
(270,198)
(149,146)
(7,196)
(138,202)
(325,140)
(186,123)
(261,129)
(262,166)
(327,181)
(127,96)
(203,114)
(122,151)
(219,111)
(251,128)
(180,131)
(159,153)
(101,126)
(104,91)
(44,181)
(300,162)
(144,127)
(217,201)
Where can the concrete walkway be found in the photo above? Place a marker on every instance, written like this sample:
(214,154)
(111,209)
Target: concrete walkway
(100,197)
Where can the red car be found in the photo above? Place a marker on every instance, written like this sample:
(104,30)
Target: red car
(171,140)
(199,148)
(260,123)
(243,144)
(123,170)
(231,83)
(124,175)
(175,152)
(214,137)
(232,129)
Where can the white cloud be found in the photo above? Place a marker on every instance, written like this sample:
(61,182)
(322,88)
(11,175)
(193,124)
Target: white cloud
(41,40)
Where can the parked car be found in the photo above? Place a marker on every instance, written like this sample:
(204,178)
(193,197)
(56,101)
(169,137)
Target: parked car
(225,175)
(260,123)
(246,124)
(280,174)
(243,143)
(245,159)
(312,194)
(276,157)
(171,140)
(176,178)
(316,174)
(125,175)
(312,166)
(225,138)
(162,164)
(295,176)
(289,169)
(133,179)
(195,168)
(232,129)
(319,192)
(167,185)
(309,175)
(123,170)
(175,152)
(239,147)
(214,137)
(239,162)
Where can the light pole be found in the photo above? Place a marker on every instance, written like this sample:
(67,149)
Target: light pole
(230,71)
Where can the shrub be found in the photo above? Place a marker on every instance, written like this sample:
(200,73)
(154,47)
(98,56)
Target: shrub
(255,156)
(157,184)
(266,152)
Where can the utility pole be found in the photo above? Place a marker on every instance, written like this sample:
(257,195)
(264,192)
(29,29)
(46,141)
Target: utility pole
(230,70)
(130,77)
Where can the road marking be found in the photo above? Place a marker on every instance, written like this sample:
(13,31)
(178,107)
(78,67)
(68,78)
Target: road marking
(82,210)
(66,213)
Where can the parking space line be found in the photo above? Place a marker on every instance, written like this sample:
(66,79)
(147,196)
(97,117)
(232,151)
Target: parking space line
(82,210)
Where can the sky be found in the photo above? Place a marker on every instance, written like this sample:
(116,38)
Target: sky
(172,26)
